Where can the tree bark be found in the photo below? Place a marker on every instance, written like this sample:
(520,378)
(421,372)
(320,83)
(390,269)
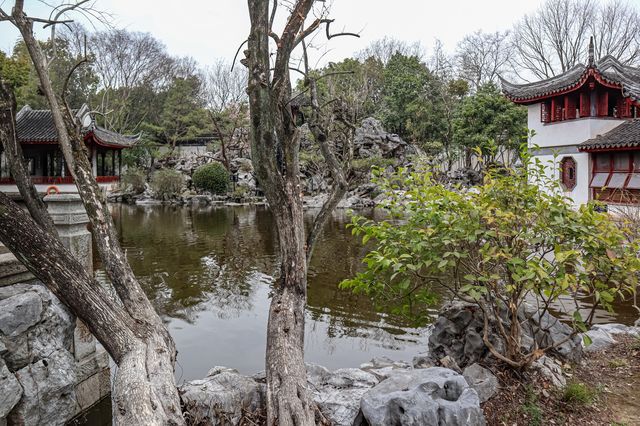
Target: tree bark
(148,394)
(144,387)
(275,145)
(15,158)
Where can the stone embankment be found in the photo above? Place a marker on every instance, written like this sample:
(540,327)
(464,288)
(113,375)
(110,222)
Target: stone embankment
(383,391)
(51,367)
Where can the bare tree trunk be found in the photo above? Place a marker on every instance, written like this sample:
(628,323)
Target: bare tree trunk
(222,136)
(15,158)
(275,143)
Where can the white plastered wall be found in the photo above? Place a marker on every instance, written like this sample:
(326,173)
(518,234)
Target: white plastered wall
(579,194)
(567,133)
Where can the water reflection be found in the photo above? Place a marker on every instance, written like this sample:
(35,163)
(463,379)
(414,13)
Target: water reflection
(208,272)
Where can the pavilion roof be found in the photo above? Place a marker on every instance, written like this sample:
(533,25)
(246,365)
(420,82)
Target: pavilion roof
(624,136)
(607,71)
(36,126)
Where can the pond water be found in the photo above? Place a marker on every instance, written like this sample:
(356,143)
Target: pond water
(208,272)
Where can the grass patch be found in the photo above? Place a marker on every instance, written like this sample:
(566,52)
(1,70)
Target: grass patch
(531,409)
(618,362)
(578,394)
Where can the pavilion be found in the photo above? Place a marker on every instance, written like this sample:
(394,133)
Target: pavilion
(586,127)
(39,140)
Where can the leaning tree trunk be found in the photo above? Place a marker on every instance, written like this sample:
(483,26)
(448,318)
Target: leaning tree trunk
(144,389)
(150,390)
(15,158)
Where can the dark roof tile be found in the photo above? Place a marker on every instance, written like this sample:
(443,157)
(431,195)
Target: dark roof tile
(609,68)
(626,135)
(37,126)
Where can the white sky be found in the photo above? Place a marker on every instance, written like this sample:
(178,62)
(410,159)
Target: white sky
(210,29)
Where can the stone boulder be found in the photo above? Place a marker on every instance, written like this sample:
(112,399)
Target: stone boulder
(458,332)
(551,370)
(36,334)
(243,169)
(338,393)
(482,380)
(603,335)
(432,396)
(223,397)
(10,388)
(371,140)
(19,312)
(384,367)
(48,391)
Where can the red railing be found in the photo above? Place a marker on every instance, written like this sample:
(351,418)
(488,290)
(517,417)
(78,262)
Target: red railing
(58,180)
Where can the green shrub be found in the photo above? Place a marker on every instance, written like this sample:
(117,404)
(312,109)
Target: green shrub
(497,246)
(167,183)
(134,179)
(211,177)
(578,393)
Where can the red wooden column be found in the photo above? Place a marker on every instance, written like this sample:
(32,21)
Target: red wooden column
(585,104)
(603,104)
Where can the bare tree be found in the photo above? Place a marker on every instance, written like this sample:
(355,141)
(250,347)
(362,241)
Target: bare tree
(440,63)
(384,48)
(616,30)
(132,332)
(125,61)
(555,38)
(481,57)
(225,93)
(275,144)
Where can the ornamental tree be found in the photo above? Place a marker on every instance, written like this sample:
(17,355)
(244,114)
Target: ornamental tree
(498,245)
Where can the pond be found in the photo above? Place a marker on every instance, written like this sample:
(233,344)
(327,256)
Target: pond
(208,272)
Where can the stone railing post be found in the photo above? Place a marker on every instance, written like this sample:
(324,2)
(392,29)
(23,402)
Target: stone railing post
(70,218)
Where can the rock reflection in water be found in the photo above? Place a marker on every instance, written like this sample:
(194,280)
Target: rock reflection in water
(208,272)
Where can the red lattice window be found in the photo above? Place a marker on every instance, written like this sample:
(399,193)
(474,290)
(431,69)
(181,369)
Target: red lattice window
(568,172)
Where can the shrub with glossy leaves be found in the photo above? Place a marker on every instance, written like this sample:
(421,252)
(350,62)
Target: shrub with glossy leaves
(497,245)
(212,177)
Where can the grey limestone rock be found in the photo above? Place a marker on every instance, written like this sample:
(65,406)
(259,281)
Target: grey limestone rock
(221,398)
(48,385)
(482,380)
(458,332)
(19,312)
(10,390)
(338,393)
(432,396)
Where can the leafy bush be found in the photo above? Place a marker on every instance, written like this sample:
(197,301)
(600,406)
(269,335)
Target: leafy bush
(578,393)
(211,177)
(134,179)
(497,245)
(167,183)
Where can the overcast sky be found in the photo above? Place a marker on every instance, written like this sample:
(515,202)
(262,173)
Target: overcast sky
(210,29)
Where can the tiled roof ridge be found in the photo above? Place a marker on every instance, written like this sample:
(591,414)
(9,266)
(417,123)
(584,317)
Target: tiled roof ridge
(608,68)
